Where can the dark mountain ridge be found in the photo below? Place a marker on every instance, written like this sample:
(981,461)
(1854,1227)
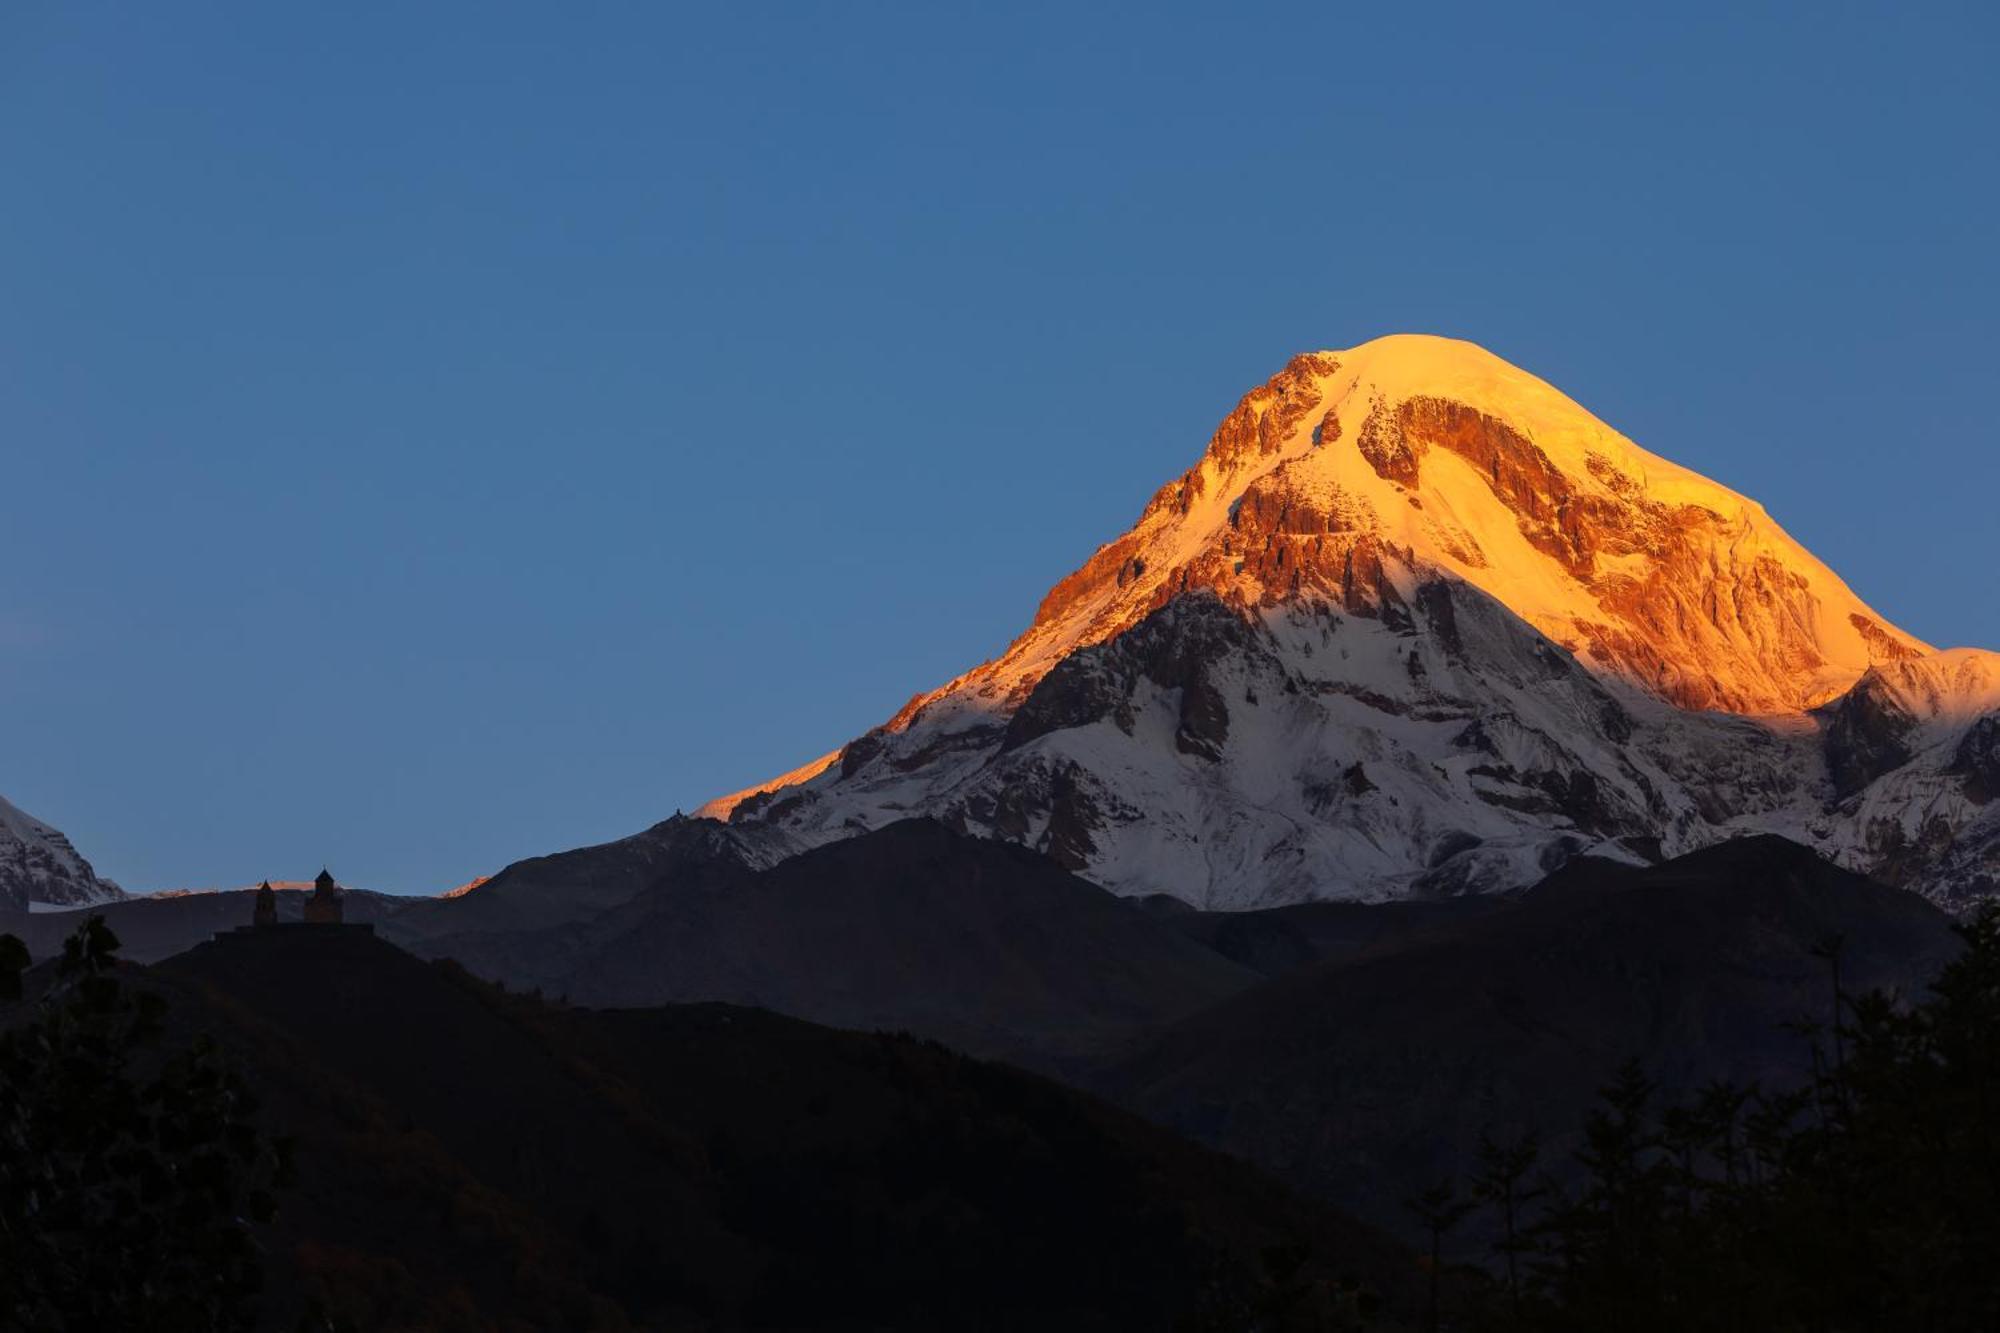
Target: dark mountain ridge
(986,945)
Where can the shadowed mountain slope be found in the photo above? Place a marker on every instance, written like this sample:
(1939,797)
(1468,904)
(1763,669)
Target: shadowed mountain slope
(586,882)
(986,945)
(1366,1078)
(1277,940)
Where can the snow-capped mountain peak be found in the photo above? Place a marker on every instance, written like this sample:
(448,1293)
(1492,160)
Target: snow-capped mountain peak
(1414,621)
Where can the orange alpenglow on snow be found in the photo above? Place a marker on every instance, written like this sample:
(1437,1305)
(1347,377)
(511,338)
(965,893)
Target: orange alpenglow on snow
(1351,469)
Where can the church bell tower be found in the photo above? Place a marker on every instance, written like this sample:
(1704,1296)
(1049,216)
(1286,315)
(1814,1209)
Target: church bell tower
(323,907)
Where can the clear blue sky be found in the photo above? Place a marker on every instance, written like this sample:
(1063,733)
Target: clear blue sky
(432,435)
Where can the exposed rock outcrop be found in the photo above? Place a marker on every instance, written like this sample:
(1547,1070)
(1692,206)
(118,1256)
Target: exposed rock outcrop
(1977,759)
(1867,735)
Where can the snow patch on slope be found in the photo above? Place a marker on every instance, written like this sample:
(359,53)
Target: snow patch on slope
(38,865)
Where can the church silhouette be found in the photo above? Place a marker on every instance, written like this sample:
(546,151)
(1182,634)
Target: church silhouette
(324,906)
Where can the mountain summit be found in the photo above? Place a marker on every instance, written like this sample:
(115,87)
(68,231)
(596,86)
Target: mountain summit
(1351,474)
(1417,622)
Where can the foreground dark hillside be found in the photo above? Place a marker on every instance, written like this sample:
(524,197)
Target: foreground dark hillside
(1356,1052)
(472,1159)
(1369,1074)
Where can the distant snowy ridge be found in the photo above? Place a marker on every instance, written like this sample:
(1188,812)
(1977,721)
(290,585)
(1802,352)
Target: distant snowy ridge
(1418,623)
(38,866)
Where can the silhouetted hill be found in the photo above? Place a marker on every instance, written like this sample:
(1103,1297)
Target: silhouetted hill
(541,893)
(585,882)
(987,945)
(1365,1078)
(473,1159)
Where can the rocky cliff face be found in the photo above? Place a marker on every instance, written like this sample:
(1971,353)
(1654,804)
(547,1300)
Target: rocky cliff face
(1417,623)
(39,866)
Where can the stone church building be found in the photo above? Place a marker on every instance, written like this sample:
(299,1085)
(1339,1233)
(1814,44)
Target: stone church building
(322,906)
